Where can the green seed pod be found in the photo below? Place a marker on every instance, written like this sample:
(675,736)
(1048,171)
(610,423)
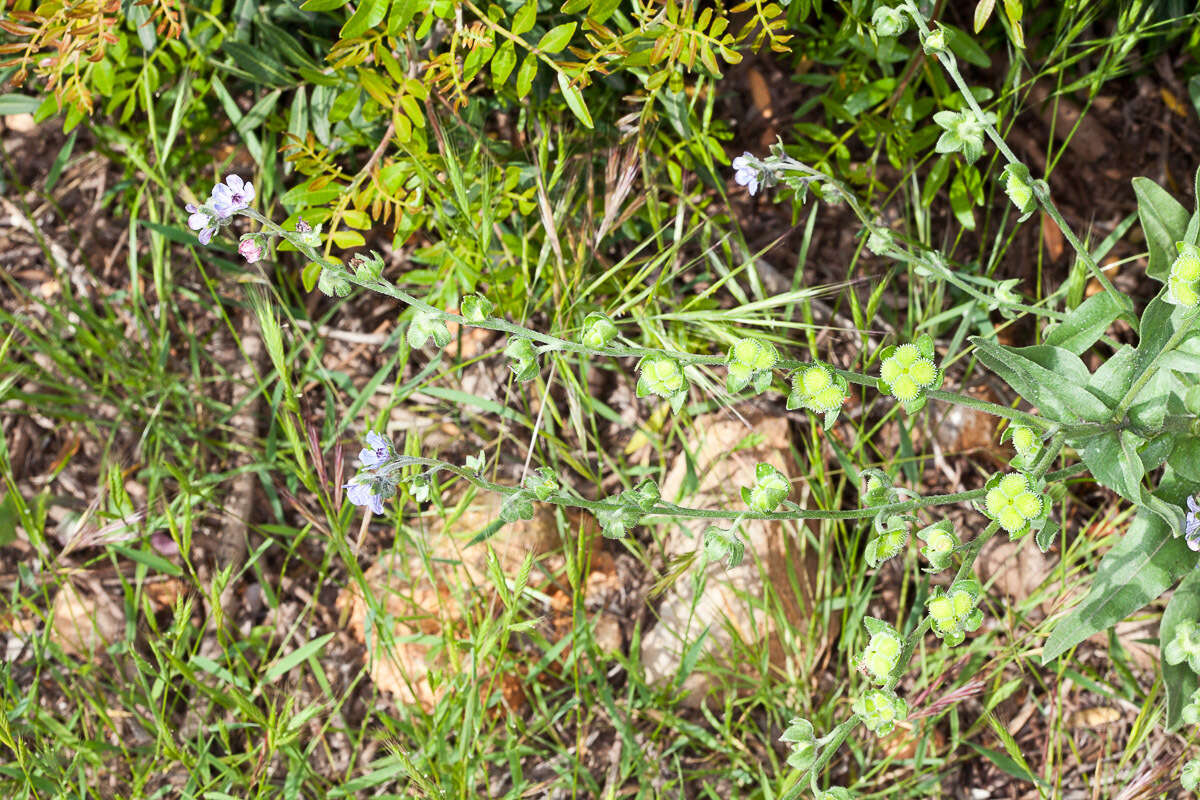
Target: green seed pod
(660,376)
(598,331)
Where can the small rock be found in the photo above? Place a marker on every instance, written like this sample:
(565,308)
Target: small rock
(731,605)
(423,607)
(20,123)
(85,623)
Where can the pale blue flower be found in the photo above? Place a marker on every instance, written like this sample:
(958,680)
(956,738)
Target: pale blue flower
(363,490)
(201,221)
(232,195)
(1191,530)
(745,173)
(379,450)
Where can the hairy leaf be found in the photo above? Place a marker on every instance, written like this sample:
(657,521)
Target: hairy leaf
(1146,561)
(1164,222)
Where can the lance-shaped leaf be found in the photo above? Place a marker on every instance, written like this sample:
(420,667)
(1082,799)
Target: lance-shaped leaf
(1164,222)
(1145,562)
(1051,378)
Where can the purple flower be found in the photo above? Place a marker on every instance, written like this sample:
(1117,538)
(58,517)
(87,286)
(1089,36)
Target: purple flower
(361,491)
(379,449)
(745,173)
(1191,531)
(250,250)
(200,220)
(232,195)
(302,226)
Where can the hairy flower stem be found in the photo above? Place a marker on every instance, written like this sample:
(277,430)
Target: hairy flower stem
(671,510)
(553,343)
(948,63)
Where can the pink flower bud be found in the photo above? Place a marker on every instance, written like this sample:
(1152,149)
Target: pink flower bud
(250,250)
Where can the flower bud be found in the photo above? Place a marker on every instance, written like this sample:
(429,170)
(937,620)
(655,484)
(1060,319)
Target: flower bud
(879,241)
(906,371)
(1017,187)
(953,612)
(598,331)
(1012,503)
(309,235)
(889,542)
(331,283)
(250,248)
(934,42)
(723,545)
(517,506)
(889,22)
(1183,284)
(1189,777)
(880,710)
(800,735)
(367,269)
(770,488)
(1190,713)
(1185,645)
(426,326)
(543,483)
(476,308)
(940,542)
(834,793)
(817,389)
(522,359)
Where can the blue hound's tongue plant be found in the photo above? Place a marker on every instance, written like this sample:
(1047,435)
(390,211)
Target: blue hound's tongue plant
(1132,423)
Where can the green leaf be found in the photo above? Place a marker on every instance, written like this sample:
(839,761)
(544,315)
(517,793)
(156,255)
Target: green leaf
(368,14)
(964,46)
(962,203)
(151,560)
(310,275)
(557,38)
(574,100)
(1185,458)
(503,63)
(292,659)
(1046,536)
(1145,562)
(1155,329)
(322,5)
(1051,378)
(526,74)
(1164,222)
(523,20)
(983,10)
(1113,378)
(1085,324)
(1105,457)
(18,104)
(1179,678)
(8,519)
(344,238)
(601,10)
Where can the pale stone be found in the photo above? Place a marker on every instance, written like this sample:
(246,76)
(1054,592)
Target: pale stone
(731,605)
